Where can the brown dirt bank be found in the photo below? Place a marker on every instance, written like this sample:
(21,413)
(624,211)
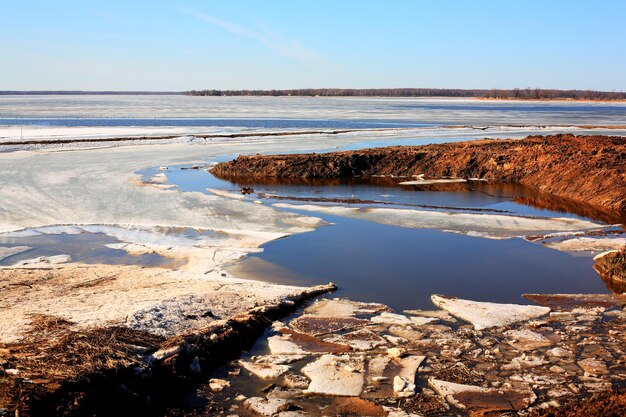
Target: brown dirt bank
(589,169)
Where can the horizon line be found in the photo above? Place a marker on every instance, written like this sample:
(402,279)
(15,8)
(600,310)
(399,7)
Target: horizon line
(296,90)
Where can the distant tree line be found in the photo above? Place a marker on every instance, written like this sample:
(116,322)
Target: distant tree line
(83,93)
(516,93)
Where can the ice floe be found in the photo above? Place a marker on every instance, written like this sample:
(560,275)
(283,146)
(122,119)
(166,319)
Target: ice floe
(315,325)
(588,244)
(361,339)
(404,382)
(45,260)
(6,252)
(282,345)
(484,315)
(399,319)
(227,194)
(526,339)
(472,397)
(264,370)
(559,302)
(265,407)
(338,307)
(335,375)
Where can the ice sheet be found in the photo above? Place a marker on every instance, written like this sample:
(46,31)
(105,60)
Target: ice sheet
(494,226)
(484,118)
(424,110)
(591,244)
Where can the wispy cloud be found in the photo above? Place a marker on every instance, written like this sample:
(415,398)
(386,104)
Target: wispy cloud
(264,35)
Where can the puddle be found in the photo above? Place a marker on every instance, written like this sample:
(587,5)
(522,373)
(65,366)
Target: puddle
(402,267)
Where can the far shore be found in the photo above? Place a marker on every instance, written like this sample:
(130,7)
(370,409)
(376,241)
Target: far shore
(186,93)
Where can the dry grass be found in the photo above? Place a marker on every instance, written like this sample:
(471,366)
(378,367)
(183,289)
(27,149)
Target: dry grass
(458,373)
(53,351)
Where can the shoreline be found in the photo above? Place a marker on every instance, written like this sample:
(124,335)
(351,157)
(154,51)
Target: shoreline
(151,219)
(466,358)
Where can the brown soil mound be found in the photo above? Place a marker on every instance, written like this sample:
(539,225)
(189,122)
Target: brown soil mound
(590,169)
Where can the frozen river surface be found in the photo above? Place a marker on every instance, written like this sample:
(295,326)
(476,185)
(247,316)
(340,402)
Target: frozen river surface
(399,246)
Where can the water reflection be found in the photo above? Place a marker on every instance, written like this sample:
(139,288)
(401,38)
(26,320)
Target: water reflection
(84,247)
(493,196)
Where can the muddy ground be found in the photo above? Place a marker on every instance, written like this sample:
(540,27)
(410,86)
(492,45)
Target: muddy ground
(344,358)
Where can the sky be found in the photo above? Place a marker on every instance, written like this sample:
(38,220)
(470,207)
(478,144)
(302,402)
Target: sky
(274,44)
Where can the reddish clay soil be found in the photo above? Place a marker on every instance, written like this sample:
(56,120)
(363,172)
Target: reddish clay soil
(589,169)
(609,404)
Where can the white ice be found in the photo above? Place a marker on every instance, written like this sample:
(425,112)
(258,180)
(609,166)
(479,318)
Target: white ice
(496,226)
(484,315)
(8,251)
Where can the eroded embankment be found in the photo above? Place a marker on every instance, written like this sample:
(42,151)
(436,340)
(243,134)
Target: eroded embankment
(121,371)
(589,169)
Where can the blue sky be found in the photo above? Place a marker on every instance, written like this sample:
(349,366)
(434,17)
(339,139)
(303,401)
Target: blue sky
(181,45)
